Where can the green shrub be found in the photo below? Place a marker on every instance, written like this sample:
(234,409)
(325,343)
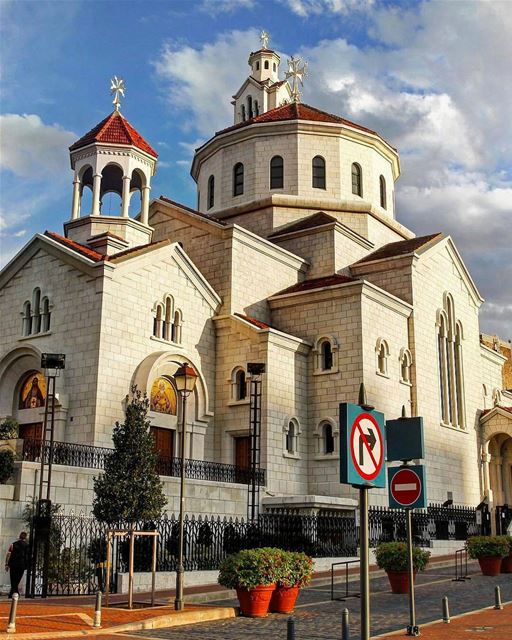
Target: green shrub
(392,556)
(9,429)
(488,546)
(6,465)
(251,567)
(296,569)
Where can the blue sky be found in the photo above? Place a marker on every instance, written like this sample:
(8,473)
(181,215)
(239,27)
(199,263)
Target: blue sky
(432,77)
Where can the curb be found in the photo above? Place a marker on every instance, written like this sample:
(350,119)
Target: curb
(174,619)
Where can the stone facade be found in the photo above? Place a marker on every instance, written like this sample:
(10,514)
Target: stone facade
(324,287)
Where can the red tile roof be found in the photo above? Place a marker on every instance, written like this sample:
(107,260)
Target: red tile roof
(315,220)
(486,411)
(317,283)
(197,213)
(114,129)
(79,248)
(254,321)
(297,111)
(400,248)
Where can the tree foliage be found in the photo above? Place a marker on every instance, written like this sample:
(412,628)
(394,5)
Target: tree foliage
(130,490)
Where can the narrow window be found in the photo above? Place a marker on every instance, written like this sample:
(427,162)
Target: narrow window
(249,107)
(27,319)
(275,67)
(326,355)
(241,385)
(36,310)
(276,172)
(459,379)
(158,321)
(318,172)
(266,64)
(257,66)
(256,108)
(382,184)
(405,367)
(211,191)
(382,357)
(167,329)
(176,327)
(238,179)
(290,438)
(46,315)
(357,180)
(243,113)
(328,438)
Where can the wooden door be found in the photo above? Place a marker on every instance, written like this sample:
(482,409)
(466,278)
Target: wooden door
(164,445)
(242,457)
(32,431)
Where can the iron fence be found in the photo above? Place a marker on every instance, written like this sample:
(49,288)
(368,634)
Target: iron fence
(87,456)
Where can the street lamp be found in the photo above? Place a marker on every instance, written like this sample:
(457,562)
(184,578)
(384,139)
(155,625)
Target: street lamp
(185,380)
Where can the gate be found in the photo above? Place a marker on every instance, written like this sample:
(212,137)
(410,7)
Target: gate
(503,519)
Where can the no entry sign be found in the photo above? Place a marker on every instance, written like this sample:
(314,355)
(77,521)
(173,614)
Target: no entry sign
(362,452)
(407,487)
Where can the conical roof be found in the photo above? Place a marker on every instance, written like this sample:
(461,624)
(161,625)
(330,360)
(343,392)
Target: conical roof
(114,129)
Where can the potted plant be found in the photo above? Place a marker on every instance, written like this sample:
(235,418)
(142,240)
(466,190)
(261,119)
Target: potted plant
(506,563)
(296,572)
(253,573)
(489,551)
(392,557)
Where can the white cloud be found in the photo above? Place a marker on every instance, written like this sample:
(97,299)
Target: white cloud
(306,8)
(30,148)
(215,7)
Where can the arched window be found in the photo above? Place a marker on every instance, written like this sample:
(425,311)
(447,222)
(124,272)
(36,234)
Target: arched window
(211,192)
(256,108)
(318,167)
(26,328)
(382,186)
(357,180)
(158,321)
(274,67)
(496,397)
(326,355)
(240,385)
(266,64)
(36,310)
(327,438)
(291,438)
(257,66)
(249,107)
(451,373)
(276,172)
(169,313)
(176,327)
(46,317)
(243,112)
(238,179)
(382,351)
(405,366)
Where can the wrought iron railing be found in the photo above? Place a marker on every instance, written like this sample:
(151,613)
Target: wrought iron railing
(87,456)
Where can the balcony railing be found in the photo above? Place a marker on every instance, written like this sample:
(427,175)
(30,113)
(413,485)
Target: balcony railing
(89,457)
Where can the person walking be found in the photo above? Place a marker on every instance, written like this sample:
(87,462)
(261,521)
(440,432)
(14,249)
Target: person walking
(16,561)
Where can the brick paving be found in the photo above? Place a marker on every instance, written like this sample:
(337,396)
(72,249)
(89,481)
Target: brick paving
(319,618)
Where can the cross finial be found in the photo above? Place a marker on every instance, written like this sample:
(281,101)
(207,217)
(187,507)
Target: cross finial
(264,39)
(297,73)
(117,89)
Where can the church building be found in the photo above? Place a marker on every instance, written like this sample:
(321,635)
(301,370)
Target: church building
(294,257)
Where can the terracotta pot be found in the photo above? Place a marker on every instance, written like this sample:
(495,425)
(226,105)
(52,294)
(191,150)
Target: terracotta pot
(490,565)
(506,564)
(254,602)
(283,599)
(399,581)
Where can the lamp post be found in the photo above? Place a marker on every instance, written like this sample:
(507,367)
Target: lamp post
(185,379)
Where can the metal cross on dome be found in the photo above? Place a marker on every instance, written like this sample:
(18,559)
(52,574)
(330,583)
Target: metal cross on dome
(297,73)
(264,39)
(117,88)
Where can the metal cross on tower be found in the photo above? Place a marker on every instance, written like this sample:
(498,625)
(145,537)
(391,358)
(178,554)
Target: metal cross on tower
(117,88)
(297,73)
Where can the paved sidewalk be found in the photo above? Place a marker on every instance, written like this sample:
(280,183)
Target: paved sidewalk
(45,620)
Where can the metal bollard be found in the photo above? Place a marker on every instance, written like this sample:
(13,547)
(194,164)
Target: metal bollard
(497,598)
(345,629)
(97,611)
(290,629)
(11,627)
(446,611)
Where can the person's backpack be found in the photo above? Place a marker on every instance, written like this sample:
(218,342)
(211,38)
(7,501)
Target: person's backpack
(19,554)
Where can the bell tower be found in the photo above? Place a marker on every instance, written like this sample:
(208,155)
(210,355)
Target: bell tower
(111,158)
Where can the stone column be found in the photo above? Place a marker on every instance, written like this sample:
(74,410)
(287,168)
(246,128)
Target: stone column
(486,459)
(75,208)
(96,188)
(126,196)
(144,215)
(499,480)
(506,479)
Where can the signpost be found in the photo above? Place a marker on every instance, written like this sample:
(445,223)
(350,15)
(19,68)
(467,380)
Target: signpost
(362,455)
(407,487)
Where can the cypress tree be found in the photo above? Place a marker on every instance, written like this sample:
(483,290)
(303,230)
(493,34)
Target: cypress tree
(130,490)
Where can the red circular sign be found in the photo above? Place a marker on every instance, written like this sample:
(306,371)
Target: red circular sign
(406,487)
(366,446)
